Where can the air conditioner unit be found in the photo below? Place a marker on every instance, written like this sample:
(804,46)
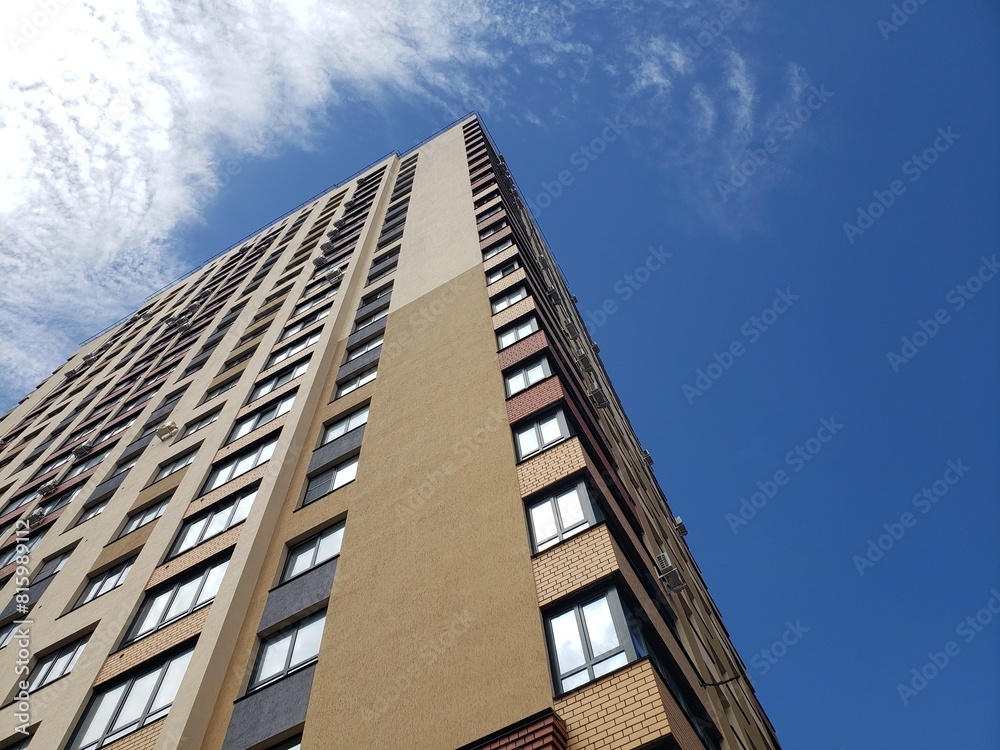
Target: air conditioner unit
(70,373)
(333,233)
(146,315)
(335,275)
(682,529)
(169,322)
(36,516)
(326,247)
(668,573)
(348,205)
(48,488)
(339,223)
(600,398)
(647,458)
(89,358)
(585,363)
(320,261)
(83,448)
(183,325)
(595,347)
(167,430)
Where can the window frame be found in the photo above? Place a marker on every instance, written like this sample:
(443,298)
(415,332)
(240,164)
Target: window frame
(290,371)
(363,348)
(345,419)
(590,510)
(294,550)
(535,423)
(200,575)
(358,381)
(233,502)
(266,445)
(348,465)
(515,327)
(294,629)
(509,297)
(280,406)
(201,422)
(300,325)
(292,348)
(118,571)
(523,368)
(157,508)
(504,269)
(174,465)
(37,679)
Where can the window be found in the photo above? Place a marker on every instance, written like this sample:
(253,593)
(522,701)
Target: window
(356,382)
(239,464)
(305,322)
(92,512)
(331,479)
(369,320)
(526,376)
(51,667)
(122,707)
(560,516)
(86,465)
(123,467)
(342,426)
(201,422)
(7,632)
(480,202)
(294,348)
(117,429)
(137,401)
(491,211)
(239,359)
(364,348)
(517,331)
(104,582)
(8,555)
(141,517)
(220,388)
(313,552)
(249,423)
(492,229)
(310,303)
(18,502)
(181,598)
(52,566)
(502,270)
(53,464)
(174,466)
(288,650)
(60,501)
(591,639)
(278,379)
(508,298)
(497,248)
(218,518)
(377,295)
(540,434)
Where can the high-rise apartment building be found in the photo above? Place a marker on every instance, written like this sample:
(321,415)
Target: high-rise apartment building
(361,481)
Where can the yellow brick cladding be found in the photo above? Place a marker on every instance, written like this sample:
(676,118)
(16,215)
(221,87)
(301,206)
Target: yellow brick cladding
(550,466)
(513,312)
(152,645)
(143,739)
(624,710)
(575,563)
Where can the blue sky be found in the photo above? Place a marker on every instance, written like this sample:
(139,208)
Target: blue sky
(745,137)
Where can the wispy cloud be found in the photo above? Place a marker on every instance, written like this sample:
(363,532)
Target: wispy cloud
(116,118)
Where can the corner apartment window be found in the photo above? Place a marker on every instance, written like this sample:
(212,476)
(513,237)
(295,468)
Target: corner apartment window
(560,516)
(249,423)
(240,464)
(508,298)
(125,466)
(126,705)
(10,554)
(377,295)
(517,331)
(497,247)
(288,650)
(174,466)
(51,667)
(104,582)
(92,512)
(305,322)
(590,640)
(220,389)
(369,320)
(53,464)
(342,426)
(313,552)
(219,518)
(353,354)
(141,517)
(200,423)
(526,376)
(356,382)
(500,271)
(7,632)
(51,566)
(294,348)
(541,433)
(117,429)
(330,480)
(86,465)
(182,597)
(278,379)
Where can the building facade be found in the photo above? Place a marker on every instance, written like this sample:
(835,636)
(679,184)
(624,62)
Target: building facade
(361,481)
